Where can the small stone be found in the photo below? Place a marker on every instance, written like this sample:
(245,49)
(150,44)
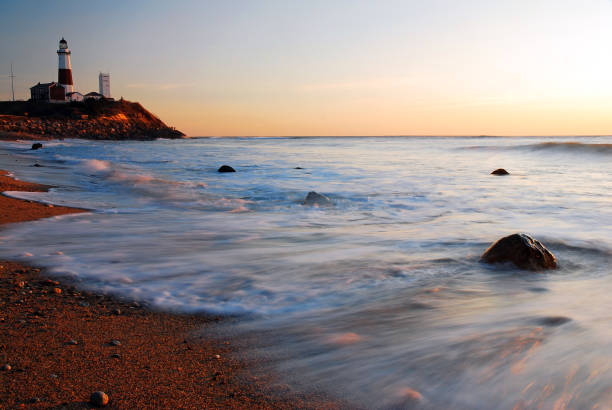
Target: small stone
(57,290)
(6,367)
(226,168)
(116,311)
(53,376)
(410,394)
(21,284)
(115,343)
(315,199)
(49,282)
(49,206)
(98,399)
(72,342)
(34,400)
(217,356)
(500,171)
(298,168)
(554,320)
(115,356)
(84,304)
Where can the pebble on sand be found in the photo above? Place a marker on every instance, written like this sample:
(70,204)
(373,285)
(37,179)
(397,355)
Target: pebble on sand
(98,399)
(115,343)
(72,342)
(57,290)
(6,367)
(116,311)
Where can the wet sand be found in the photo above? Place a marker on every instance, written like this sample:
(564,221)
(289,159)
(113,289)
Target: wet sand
(57,341)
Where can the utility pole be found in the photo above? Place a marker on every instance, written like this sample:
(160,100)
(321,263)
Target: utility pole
(12,85)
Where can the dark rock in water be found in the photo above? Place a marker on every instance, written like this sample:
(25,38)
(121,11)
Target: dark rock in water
(500,171)
(37,165)
(98,399)
(315,199)
(522,250)
(36,145)
(226,168)
(554,320)
(298,168)
(538,289)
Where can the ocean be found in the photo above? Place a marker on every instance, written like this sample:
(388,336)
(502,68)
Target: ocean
(380,298)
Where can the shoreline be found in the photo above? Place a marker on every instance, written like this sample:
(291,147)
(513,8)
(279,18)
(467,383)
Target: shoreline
(58,342)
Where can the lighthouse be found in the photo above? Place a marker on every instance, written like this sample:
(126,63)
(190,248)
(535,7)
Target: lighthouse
(64,73)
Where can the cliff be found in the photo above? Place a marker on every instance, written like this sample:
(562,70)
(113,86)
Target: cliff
(100,120)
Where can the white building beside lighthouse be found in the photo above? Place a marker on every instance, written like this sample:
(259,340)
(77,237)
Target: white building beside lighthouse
(64,73)
(104,81)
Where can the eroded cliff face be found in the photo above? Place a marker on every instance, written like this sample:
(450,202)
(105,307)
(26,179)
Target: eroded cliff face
(109,120)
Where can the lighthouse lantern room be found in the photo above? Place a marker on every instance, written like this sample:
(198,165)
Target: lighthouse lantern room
(64,74)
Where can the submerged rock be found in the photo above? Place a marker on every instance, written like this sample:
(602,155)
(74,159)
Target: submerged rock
(554,320)
(522,250)
(315,199)
(36,145)
(226,168)
(500,171)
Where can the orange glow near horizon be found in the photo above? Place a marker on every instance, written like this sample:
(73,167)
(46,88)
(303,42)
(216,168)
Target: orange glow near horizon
(355,67)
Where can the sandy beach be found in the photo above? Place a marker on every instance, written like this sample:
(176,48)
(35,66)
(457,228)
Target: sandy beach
(59,344)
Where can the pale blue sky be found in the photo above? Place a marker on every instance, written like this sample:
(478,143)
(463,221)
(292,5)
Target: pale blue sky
(331,67)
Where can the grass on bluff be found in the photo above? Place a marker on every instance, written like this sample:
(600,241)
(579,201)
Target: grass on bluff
(78,110)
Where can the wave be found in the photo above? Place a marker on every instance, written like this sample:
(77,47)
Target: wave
(570,147)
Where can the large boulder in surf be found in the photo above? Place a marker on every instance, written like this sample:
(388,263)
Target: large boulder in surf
(522,250)
(226,168)
(315,199)
(36,145)
(500,171)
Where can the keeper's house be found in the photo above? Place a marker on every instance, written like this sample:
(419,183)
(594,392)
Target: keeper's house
(52,92)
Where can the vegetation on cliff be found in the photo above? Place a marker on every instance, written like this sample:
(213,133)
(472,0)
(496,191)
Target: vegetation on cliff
(92,119)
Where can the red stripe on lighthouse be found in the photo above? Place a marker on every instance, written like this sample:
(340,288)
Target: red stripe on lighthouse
(64,76)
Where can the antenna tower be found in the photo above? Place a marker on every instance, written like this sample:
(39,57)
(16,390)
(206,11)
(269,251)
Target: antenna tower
(12,85)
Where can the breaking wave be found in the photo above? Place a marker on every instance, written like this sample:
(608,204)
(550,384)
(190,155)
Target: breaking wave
(569,147)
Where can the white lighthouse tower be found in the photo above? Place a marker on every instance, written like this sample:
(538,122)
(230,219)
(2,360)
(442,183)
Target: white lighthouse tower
(64,74)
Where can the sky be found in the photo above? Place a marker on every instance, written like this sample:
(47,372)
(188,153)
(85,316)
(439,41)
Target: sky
(330,67)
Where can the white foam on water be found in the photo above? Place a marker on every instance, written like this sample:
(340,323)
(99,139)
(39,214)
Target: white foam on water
(382,295)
